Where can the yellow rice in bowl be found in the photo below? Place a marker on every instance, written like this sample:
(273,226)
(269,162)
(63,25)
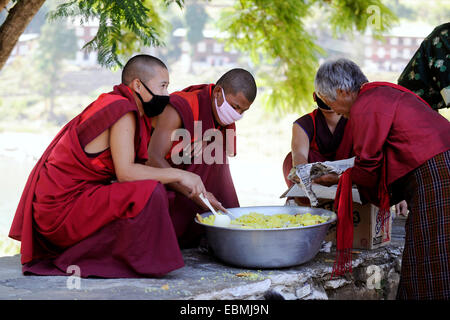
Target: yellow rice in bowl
(254,220)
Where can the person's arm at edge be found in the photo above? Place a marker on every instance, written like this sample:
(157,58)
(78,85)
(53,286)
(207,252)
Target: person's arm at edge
(299,145)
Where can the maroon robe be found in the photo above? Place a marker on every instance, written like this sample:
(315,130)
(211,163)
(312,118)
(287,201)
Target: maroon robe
(401,147)
(72,213)
(324,145)
(194,104)
(393,127)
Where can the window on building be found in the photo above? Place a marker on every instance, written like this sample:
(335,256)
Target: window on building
(394,53)
(381,52)
(201,46)
(185,46)
(407,41)
(217,48)
(406,54)
(393,41)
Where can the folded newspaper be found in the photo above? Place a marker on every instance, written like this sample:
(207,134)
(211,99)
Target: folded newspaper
(303,174)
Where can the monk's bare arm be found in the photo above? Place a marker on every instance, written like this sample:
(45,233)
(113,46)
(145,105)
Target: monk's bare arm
(299,145)
(300,152)
(123,154)
(160,143)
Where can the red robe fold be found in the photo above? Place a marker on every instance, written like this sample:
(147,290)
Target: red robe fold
(69,197)
(194,104)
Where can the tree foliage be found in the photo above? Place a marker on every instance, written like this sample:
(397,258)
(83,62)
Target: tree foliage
(124,26)
(196,18)
(275,32)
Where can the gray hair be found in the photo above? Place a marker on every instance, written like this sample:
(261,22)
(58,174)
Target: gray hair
(341,74)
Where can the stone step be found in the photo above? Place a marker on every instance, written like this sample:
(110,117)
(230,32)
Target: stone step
(204,277)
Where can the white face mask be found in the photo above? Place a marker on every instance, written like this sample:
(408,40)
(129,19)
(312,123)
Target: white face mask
(226,112)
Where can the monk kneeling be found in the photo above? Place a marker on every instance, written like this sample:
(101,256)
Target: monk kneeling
(205,115)
(91,201)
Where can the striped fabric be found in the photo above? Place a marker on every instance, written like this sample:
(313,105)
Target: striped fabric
(425,270)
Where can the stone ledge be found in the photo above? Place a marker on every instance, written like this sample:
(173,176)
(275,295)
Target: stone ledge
(375,276)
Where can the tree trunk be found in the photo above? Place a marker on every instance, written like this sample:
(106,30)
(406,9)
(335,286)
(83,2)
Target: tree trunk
(17,20)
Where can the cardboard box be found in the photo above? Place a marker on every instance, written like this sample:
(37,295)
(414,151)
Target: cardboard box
(367,233)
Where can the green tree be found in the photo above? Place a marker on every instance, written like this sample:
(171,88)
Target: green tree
(272,32)
(195,18)
(56,43)
(275,32)
(124,25)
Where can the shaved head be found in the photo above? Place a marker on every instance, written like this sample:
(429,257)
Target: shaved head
(141,67)
(239,80)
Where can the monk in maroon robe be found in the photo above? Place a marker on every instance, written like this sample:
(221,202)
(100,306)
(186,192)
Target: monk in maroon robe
(319,136)
(402,149)
(91,202)
(198,110)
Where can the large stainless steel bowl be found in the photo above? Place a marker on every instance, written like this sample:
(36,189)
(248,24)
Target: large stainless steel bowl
(268,248)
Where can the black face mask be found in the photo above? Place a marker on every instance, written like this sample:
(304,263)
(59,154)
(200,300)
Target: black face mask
(322,104)
(156,105)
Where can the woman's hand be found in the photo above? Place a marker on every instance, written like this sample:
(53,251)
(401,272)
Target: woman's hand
(327,179)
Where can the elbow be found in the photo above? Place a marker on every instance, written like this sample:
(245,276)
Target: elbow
(124,175)
(123,178)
